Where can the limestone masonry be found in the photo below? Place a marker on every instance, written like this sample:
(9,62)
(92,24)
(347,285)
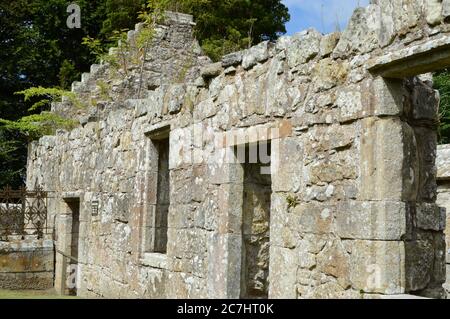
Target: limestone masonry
(150,201)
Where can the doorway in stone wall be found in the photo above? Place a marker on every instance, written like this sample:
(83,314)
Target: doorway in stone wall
(72,269)
(404,88)
(257,190)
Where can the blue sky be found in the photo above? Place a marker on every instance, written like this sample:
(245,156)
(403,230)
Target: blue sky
(308,13)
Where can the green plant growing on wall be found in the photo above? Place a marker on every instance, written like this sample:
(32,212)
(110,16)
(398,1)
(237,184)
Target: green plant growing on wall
(292,201)
(104,89)
(37,125)
(39,50)
(188,63)
(45,123)
(123,49)
(95,46)
(67,74)
(118,59)
(46,96)
(143,41)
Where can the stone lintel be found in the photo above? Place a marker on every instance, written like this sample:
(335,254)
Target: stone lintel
(255,134)
(158,131)
(415,60)
(68,196)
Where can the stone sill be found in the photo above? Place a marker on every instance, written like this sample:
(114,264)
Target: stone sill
(155,260)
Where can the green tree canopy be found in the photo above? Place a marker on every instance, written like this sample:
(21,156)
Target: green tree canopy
(442,84)
(39,50)
(230,25)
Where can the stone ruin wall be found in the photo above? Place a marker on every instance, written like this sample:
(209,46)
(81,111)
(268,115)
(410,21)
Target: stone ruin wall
(352,210)
(443,197)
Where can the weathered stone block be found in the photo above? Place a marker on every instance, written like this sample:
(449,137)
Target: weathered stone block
(333,168)
(315,218)
(426,139)
(377,266)
(180,186)
(258,53)
(211,70)
(389,160)
(224,172)
(350,104)
(419,263)
(225,253)
(360,35)
(282,279)
(433,11)
(334,261)
(388,95)
(371,220)
(328,43)
(445,8)
(232,59)
(287,165)
(205,109)
(174,98)
(303,47)
(424,102)
(328,73)
(430,217)
(230,201)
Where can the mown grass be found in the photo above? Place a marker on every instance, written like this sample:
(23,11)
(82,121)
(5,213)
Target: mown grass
(32,294)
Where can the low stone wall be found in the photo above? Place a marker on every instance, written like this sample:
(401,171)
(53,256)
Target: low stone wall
(26,263)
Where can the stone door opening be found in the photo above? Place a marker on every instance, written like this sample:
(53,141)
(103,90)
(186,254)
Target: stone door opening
(404,88)
(72,269)
(257,190)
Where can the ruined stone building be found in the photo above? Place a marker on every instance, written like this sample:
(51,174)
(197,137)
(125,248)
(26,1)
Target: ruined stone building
(148,200)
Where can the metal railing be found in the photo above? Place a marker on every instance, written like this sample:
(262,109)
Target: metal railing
(23,212)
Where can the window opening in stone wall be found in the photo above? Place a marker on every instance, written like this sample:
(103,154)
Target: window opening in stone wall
(163,196)
(257,192)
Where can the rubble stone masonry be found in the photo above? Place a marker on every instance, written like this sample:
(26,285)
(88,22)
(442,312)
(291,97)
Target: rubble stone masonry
(345,209)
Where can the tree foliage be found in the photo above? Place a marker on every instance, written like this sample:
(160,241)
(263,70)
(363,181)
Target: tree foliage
(39,51)
(442,84)
(37,125)
(47,95)
(230,25)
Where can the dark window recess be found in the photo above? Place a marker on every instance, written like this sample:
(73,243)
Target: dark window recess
(163,196)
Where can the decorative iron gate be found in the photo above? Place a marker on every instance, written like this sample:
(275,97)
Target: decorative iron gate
(23,212)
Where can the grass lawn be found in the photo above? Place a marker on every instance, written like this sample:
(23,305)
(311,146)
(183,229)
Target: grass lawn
(32,294)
